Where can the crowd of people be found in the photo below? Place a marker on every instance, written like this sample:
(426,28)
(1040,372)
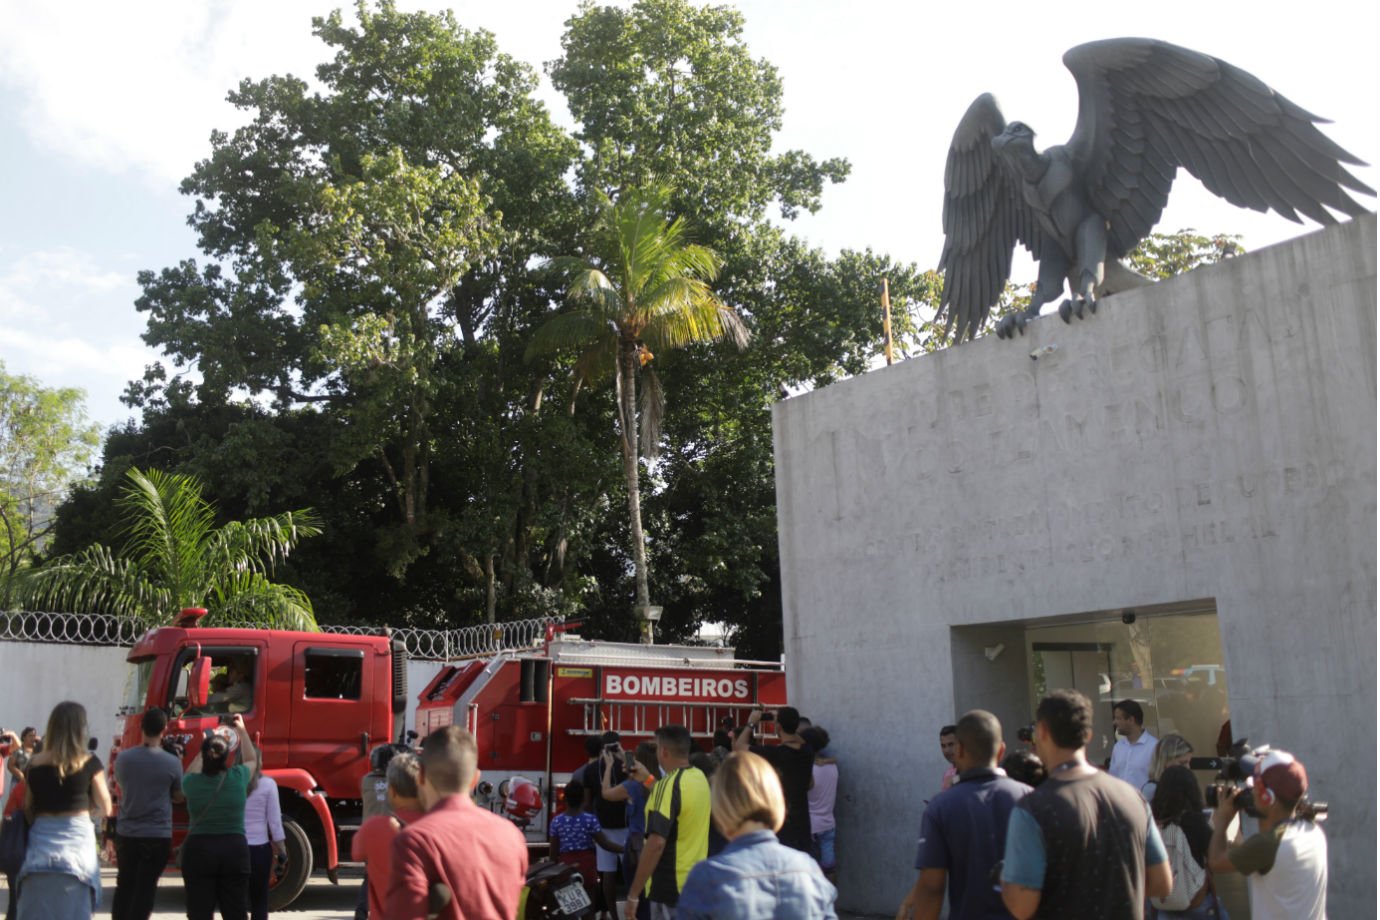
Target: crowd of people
(745,831)
(1129,842)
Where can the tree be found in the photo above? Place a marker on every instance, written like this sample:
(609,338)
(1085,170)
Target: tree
(1164,255)
(174,557)
(45,444)
(645,290)
(360,239)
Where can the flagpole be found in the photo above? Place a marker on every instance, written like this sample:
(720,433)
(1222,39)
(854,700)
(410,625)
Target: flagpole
(886,319)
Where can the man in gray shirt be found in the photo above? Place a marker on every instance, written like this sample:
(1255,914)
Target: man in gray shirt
(150,781)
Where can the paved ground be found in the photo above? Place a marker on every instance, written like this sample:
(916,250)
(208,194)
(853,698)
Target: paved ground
(321,900)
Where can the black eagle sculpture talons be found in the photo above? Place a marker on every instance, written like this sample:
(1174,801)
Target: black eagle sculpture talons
(1011,324)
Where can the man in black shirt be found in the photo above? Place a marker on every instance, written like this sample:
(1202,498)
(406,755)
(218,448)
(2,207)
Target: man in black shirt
(794,762)
(613,816)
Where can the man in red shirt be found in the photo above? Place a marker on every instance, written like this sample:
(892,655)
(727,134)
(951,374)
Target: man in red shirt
(479,857)
(373,843)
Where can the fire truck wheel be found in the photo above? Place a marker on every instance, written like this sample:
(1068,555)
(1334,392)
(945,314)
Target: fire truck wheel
(284,891)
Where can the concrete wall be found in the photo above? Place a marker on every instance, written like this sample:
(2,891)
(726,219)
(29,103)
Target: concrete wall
(36,676)
(1212,436)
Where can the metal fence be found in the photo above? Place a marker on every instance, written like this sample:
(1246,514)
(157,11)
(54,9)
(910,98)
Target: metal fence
(466,642)
(69,628)
(422,644)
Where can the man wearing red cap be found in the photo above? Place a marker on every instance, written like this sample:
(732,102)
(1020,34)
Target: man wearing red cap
(1285,864)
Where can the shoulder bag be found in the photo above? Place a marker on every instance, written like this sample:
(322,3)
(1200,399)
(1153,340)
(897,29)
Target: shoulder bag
(14,843)
(1189,877)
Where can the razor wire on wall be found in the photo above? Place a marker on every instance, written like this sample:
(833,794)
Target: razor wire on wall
(421,644)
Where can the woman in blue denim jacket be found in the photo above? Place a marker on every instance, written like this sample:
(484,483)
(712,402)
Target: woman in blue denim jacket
(755,877)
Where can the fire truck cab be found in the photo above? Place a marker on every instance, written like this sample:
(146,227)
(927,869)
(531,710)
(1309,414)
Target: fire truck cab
(314,703)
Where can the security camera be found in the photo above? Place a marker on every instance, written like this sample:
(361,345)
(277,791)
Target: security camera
(1128,617)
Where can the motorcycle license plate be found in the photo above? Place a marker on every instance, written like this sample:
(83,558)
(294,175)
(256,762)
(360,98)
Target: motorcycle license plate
(572,899)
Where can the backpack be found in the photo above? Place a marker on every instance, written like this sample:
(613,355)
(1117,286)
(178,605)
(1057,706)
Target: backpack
(1189,877)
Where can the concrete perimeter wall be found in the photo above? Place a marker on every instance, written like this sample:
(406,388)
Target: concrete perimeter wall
(1209,437)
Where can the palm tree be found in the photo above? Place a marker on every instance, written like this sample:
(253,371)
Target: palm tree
(645,290)
(174,558)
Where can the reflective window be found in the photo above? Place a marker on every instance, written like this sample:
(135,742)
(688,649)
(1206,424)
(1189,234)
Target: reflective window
(1169,660)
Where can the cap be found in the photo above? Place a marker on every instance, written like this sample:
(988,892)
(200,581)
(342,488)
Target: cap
(1283,775)
(227,735)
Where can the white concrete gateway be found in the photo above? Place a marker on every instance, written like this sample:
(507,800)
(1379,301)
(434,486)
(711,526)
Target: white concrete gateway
(1174,502)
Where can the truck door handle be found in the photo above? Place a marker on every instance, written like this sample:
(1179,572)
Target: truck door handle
(364,743)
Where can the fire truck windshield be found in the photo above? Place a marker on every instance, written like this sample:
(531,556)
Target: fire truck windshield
(137,685)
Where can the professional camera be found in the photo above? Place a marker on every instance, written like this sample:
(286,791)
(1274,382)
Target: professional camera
(1237,767)
(1026,733)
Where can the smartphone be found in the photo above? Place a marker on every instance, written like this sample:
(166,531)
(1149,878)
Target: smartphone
(227,719)
(629,761)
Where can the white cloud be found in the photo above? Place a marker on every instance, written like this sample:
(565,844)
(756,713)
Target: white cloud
(139,87)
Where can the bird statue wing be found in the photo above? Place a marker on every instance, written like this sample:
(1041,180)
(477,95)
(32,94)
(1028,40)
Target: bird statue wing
(984,218)
(1146,107)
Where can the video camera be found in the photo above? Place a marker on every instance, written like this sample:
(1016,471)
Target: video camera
(1233,771)
(1238,767)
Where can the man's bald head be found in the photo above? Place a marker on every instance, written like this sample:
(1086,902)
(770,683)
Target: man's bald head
(979,733)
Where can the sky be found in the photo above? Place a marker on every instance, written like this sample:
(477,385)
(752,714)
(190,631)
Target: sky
(105,107)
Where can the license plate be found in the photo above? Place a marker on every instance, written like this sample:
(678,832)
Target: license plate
(572,899)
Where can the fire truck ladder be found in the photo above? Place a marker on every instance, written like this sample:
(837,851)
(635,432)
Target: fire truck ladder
(641,718)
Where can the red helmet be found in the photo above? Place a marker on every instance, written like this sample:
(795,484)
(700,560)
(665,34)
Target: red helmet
(524,798)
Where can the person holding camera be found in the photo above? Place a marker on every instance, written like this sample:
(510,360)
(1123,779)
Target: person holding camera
(1285,864)
(794,763)
(215,855)
(150,781)
(613,816)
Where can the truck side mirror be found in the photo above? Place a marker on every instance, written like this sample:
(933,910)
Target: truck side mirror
(199,683)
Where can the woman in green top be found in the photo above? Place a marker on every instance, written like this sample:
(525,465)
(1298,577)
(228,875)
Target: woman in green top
(215,855)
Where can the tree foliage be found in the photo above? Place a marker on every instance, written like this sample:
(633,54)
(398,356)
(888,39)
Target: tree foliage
(375,265)
(175,557)
(46,444)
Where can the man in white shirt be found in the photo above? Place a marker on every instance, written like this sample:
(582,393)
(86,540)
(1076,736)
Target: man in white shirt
(1285,864)
(1135,750)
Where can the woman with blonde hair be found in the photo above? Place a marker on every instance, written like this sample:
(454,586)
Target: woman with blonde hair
(755,877)
(1172,750)
(61,875)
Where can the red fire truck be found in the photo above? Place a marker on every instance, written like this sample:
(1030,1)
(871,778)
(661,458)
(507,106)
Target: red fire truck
(317,703)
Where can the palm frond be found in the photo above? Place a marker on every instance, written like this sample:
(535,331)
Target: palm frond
(167,523)
(652,411)
(250,599)
(600,360)
(96,580)
(687,317)
(257,545)
(568,330)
